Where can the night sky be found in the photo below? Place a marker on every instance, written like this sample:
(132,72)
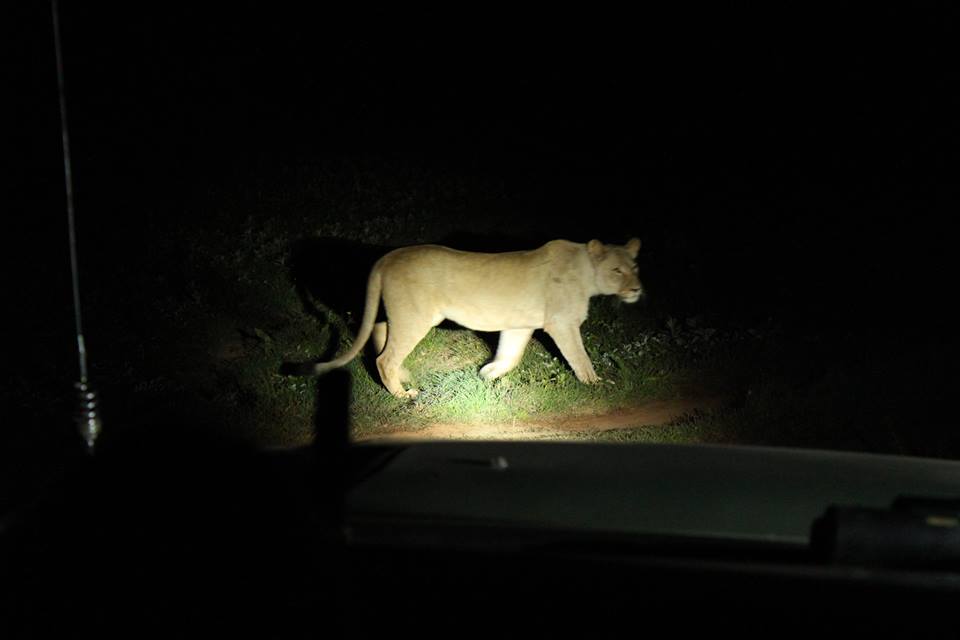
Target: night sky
(794,166)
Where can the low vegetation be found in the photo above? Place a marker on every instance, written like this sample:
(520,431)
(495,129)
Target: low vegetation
(252,291)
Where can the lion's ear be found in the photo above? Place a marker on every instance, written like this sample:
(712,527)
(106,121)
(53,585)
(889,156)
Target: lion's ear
(595,249)
(633,247)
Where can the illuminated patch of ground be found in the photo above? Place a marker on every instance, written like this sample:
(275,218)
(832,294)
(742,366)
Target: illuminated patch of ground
(558,427)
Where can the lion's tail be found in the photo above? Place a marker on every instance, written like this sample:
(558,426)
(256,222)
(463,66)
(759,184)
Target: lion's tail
(374,288)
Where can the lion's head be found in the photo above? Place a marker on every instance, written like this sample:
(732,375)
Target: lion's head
(615,269)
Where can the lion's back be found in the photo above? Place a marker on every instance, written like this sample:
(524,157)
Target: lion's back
(482,291)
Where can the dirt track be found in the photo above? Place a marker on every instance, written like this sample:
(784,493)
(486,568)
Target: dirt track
(654,412)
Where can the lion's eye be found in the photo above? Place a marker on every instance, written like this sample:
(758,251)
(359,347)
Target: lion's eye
(617,270)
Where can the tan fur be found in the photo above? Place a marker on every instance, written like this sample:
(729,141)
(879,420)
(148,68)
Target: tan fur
(514,293)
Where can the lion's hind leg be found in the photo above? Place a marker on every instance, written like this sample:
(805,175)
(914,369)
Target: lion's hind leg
(509,353)
(379,340)
(400,342)
(379,337)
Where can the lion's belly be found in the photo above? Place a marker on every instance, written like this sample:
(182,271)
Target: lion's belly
(479,317)
(488,292)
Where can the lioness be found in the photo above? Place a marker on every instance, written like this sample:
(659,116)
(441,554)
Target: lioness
(514,293)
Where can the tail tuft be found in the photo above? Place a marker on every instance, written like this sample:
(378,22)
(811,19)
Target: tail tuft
(374,285)
(298,369)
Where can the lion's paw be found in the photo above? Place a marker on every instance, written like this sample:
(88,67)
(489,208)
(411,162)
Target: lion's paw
(409,394)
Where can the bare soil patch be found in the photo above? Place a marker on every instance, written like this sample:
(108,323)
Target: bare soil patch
(557,427)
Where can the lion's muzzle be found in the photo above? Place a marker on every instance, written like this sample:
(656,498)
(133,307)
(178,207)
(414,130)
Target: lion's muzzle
(632,294)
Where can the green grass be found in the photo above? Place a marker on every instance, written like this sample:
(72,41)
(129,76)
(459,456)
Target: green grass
(445,368)
(633,364)
(246,319)
(251,320)
(218,339)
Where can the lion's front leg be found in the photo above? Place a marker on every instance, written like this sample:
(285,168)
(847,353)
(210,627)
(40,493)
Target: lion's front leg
(570,342)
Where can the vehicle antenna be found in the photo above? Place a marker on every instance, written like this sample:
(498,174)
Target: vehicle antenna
(87,416)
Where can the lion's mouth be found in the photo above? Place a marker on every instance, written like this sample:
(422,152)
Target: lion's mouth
(631,296)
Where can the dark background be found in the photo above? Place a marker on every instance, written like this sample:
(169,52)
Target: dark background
(785,166)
